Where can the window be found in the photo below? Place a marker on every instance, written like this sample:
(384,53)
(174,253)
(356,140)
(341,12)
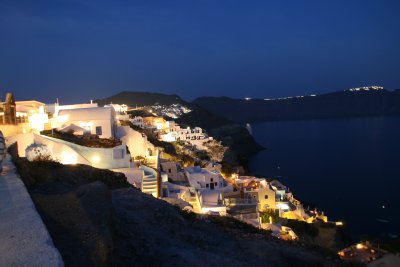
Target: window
(265,196)
(207,185)
(99,130)
(169,170)
(86,130)
(118,153)
(215,183)
(212,179)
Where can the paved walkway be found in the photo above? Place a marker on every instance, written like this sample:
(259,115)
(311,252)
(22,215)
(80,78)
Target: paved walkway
(24,239)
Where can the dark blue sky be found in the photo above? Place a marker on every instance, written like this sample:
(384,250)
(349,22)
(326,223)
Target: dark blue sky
(78,50)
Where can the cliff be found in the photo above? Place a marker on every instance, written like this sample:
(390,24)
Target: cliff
(96,219)
(140,99)
(332,105)
(236,137)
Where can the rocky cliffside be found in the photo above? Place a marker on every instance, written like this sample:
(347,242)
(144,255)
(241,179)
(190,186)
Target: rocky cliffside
(236,137)
(96,219)
(332,105)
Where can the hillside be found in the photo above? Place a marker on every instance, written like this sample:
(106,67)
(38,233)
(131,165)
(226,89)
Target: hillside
(241,144)
(331,105)
(140,99)
(96,219)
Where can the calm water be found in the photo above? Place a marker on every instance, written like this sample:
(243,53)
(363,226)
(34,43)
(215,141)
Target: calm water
(349,168)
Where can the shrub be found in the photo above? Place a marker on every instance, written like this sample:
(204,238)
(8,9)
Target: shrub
(37,152)
(269,213)
(303,228)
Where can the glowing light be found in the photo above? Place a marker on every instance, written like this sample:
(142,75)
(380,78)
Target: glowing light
(159,125)
(247,98)
(360,246)
(95,159)
(37,121)
(339,223)
(169,137)
(283,206)
(68,158)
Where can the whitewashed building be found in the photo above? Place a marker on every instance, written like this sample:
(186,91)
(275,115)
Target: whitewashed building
(200,178)
(53,109)
(120,111)
(137,121)
(195,136)
(211,202)
(100,121)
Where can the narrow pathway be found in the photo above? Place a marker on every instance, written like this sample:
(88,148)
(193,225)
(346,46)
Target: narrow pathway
(24,239)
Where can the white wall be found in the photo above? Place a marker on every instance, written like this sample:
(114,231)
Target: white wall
(204,178)
(102,158)
(138,145)
(57,107)
(107,126)
(69,153)
(63,152)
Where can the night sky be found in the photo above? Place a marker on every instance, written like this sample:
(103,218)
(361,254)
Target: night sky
(81,50)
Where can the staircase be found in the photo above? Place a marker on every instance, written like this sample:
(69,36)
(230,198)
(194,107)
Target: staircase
(194,201)
(149,183)
(152,162)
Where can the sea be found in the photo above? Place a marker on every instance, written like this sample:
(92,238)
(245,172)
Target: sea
(348,168)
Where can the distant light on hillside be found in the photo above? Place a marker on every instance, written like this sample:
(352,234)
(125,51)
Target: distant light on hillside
(366,88)
(247,98)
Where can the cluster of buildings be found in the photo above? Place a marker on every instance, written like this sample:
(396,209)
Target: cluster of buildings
(170,131)
(201,189)
(173,111)
(246,198)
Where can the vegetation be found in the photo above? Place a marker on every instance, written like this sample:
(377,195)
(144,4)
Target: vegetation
(303,228)
(88,140)
(215,150)
(269,214)
(240,143)
(140,113)
(141,159)
(39,153)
